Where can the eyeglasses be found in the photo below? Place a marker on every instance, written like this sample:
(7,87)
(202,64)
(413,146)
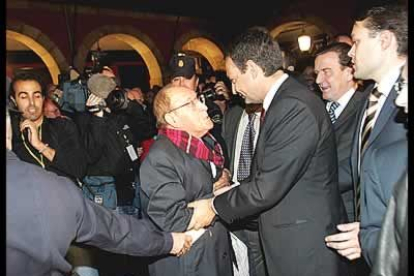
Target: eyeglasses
(200,98)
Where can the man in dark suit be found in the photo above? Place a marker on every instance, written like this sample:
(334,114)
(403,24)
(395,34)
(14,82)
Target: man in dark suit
(335,78)
(236,122)
(378,53)
(293,186)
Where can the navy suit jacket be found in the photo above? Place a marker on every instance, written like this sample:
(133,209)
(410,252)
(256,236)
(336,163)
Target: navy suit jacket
(388,139)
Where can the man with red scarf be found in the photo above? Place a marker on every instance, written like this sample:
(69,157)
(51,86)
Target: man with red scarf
(182,166)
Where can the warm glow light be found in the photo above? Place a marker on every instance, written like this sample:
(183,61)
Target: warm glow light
(304,42)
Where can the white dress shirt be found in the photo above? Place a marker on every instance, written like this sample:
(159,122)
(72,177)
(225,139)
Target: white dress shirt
(343,101)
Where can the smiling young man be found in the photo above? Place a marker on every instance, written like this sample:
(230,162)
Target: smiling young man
(53,144)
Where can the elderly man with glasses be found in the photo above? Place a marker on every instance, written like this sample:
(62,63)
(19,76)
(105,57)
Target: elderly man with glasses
(184,164)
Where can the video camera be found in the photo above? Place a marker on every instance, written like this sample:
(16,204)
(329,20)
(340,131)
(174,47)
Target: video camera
(75,92)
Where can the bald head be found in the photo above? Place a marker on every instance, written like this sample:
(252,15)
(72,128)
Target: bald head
(180,108)
(162,101)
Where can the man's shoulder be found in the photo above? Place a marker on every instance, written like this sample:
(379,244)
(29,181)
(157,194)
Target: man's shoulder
(60,122)
(24,172)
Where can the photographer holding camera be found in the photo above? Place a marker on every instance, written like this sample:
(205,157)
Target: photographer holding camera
(112,157)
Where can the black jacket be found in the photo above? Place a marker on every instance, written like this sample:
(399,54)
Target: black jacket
(62,136)
(106,140)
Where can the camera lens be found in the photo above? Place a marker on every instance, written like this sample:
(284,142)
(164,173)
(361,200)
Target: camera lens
(117,100)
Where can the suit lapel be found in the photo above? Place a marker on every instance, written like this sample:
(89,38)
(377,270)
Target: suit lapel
(348,111)
(231,133)
(351,108)
(259,146)
(355,147)
(385,115)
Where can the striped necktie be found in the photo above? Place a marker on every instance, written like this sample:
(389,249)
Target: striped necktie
(331,112)
(365,133)
(369,118)
(247,149)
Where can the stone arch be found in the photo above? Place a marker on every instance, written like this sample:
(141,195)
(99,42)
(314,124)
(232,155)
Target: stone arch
(287,22)
(39,43)
(203,44)
(139,41)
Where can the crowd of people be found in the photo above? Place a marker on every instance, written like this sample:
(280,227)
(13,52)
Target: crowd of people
(258,172)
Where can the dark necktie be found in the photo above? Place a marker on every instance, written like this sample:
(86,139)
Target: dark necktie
(365,133)
(247,149)
(331,112)
(262,116)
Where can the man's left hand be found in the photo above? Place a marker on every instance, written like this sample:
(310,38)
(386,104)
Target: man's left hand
(223,181)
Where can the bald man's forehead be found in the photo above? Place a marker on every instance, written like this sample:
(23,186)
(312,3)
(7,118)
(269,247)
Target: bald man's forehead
(181,94)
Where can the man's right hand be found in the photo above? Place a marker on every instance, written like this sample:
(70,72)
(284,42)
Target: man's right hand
(203,213)
(94,101)
(181,243)
(346,243)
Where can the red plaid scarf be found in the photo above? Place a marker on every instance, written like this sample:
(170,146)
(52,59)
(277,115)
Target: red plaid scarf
(194,146)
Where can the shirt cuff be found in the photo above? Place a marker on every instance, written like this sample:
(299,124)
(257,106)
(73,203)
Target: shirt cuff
(212,206)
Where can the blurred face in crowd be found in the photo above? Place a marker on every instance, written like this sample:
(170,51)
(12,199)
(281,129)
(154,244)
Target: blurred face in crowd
(50,109)
(333,79)
(29,99)
(242,83)
(149,96)
(366,52)
(402,98)
(191,83)
(188,112)
(136,94)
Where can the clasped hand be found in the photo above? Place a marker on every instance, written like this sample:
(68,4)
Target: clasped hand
(181,244)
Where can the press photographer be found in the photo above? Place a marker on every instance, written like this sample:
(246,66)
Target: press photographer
(113,160)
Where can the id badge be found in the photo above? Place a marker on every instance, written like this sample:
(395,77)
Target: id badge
(98,199)
(132,153)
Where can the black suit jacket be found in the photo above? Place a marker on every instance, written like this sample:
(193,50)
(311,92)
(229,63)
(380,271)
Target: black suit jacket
(231,121)
(293,186)
(345,128)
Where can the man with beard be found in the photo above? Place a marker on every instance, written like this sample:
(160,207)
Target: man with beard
(53,144)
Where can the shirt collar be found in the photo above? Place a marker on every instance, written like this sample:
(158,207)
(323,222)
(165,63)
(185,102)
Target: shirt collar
(387,82)
(343,101)
(272,92)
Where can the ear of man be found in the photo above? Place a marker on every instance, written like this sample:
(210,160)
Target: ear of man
(171,120)
(253,68)
(387,39)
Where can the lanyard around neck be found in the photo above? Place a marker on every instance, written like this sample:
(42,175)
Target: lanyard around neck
(39,160)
